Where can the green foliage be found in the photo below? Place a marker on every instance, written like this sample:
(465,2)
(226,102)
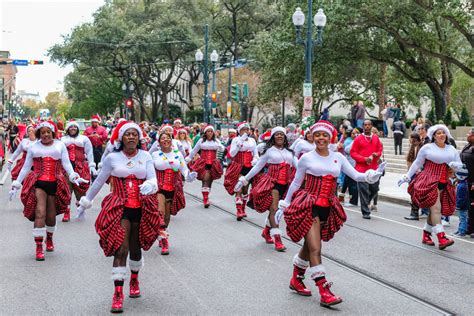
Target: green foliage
(465,117)
(448,118)
(431,115)
(193,116)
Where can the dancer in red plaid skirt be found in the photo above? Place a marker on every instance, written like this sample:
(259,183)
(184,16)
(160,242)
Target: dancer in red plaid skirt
(45,192)
(129,220)
(244,154)
(431,187)
(81,155)
(170,167)
(22,149)
(280,164)
(207,166)
(314,212)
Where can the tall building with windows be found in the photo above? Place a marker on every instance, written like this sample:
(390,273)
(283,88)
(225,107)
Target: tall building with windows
(7,79)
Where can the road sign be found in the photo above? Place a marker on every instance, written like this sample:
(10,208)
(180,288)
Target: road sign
(307,106)
(229,108)
(307,89)
(20,62)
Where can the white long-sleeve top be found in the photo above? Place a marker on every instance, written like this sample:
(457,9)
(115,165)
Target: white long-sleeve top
(238,144)
(186,146)
(303,147)
(109,148)
(81,141)
(436,154)
(293,146)
(117,164)
(174,160)
(317,165)
(206,145)
(273,155)
(24,145)
(57,150)
(175,144)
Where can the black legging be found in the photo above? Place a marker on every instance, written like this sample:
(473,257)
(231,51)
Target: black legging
(398,138)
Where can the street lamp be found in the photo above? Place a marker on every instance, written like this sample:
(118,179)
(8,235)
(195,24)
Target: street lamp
(319,21)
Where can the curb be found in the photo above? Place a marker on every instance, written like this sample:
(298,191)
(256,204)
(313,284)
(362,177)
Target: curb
(391,199)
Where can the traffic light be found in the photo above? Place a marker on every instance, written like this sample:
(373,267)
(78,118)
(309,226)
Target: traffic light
(236,92)
(36,62)
(214,97)
(245,90)
(129,103)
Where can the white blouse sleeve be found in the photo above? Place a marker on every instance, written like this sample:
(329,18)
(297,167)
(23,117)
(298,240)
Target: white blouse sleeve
(255,150)
(195,149)
(258,167)
(348,170)
(234,146)
(17,152)
(154,147)
(183,168)
(297,181)
(89,151)
(419,161)
(104,174)
(26,167)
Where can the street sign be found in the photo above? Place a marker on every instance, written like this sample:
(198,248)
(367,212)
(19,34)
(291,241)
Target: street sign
(307,106)
(229,108)
(307,89)
(20,62)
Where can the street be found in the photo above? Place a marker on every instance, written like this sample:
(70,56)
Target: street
(220,266)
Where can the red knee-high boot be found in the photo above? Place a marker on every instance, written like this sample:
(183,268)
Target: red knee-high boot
(238,205)
(296,282)
(245,199)
(205,196)
(49,238)
(318,274)
(266,233)
(67,215)
(276,234)
(135,267)
(443,241)
(426,239)
(118,276)
(38,234)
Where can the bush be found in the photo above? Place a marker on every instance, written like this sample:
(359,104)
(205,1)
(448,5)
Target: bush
(465,119)
(448,118)
(454,124)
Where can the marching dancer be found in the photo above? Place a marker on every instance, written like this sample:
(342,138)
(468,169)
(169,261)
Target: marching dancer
(305,145)
(129,220)
(431,187)
(45,192)
(244,154)
(22,149)
(183,137)
(170,166)
(314,212)
(273,184)
(207,166)
(176,145)
(81,155)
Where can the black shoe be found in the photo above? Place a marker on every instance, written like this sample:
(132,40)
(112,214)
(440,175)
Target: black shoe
(412,217)
(366,216)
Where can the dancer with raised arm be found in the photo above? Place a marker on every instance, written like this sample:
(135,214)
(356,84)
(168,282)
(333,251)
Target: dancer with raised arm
(22,150)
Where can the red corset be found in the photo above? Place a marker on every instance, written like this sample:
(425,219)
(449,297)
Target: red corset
(245,158)
(75,152)
(168,180)
(129,190)
(283,173)
(209,156)
(46,167)
(323,187)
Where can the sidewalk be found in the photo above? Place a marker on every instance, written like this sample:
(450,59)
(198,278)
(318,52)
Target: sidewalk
(389,191)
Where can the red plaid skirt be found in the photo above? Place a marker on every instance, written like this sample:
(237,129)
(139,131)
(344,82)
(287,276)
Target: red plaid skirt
(299,215)
(232,173)
(179,202)
(28,194)
(18,165)
(424,188)
(111,234)
(81,166)
(261,193)
(200,167)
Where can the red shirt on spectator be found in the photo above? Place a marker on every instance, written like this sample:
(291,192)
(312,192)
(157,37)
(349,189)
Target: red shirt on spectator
(363,147)
(98,135)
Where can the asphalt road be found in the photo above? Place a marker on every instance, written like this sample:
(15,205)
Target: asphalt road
(220,266)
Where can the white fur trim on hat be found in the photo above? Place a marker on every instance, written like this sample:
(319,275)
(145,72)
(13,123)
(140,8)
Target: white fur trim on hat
(128,126)
(72,123)
(39,232)
(278,129)
(118,273)
(322,127)
(432,130)
(275,231)
(50,229)
(317,271)
(232,130)
(242,125)
(136,265)
(177,121)
(45,124)
(300,263)
(208,127)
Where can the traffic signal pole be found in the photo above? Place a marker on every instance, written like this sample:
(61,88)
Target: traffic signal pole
(206,75)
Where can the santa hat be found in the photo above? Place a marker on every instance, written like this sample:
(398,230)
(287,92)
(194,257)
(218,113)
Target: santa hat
(178,120)
(182,130)
(72,123)
(325,126)
(266,136)
(278,129)
(208,127)
(164,127)
(232,130)
(48,124)
(96,118)
(119,130)
(242,125)
(433,129)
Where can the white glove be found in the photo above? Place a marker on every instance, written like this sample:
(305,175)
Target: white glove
(403,179)
(187,160)
(99,166)
(282,205)
(455,165)
(372,176)
(382,166)
(93,171)
(279,215)
(12,193)
(238,186)
(74,178)
(9,165)
(84,204)
(16,185)
(191,176)
(81,213)
(244,137)
(254,161)
(147,188)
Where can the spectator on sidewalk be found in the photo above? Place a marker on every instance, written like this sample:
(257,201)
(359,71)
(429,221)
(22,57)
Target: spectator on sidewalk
(399,130)
(384,113)
(397,112)
(349,183)
(366,151)
(360,114)
(354,110)
(467,157)
(463,202)
(390,116)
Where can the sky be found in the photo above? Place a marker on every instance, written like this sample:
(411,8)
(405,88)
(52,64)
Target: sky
(29,27)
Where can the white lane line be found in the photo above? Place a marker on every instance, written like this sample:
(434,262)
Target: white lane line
(404,224)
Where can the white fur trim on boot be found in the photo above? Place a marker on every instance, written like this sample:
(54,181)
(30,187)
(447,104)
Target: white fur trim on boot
(438,229)
(245,197)
(205,189)
(267,222)
(39,232)
(300,263)
(275,231)
(118,273)
(136,265)
(50,229)
(238,201)
(428,228)
(317,271)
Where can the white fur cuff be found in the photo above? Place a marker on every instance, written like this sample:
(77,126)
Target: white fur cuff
(317,271)
(73,176)
(118,273)
(244,180)
(50,229)
(205,189)
(300,263)
(85,202)
(16,184)
(275,231)
(39,232)
(267,222)
(438,229)
(428,228)
(136,265)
